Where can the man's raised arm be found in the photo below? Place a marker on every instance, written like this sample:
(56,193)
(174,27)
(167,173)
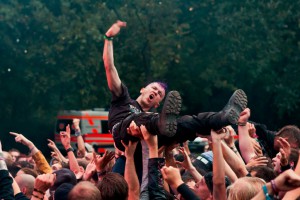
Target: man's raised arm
(113,79)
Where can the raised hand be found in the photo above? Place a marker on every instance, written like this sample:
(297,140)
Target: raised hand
(244,116)
(130,148)
(89,170)
(186,163)
(115,28)
(101,162)
(76,123)
(21,139)
(257,161)
(150,139)
(134,130)
(51,144)
(172,176)
(65,137)
(44,181)
(285,150)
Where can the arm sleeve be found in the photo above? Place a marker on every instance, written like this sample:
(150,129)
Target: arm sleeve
(6,190)
(187,193)
(155,184)
(41,163)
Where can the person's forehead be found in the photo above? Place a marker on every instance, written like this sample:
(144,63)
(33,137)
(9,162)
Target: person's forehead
(155,84)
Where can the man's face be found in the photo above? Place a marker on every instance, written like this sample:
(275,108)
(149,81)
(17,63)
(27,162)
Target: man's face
(200,188)
(152,94)
(14,155)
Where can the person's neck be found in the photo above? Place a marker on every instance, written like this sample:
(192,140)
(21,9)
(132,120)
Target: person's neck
(143,106)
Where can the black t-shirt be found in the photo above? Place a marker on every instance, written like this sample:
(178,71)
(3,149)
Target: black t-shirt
(121,107)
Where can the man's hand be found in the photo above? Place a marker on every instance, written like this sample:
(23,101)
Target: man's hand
(150,139)
(89,170)
(229,137)
(257,161)
(22,139)
(134,130)
(187,163)
(52,145)
(65,137)
(285,150)
(76,124)
(44,181)
(244,116)
(101,162)
(115,28)
(130,148)
(172,176)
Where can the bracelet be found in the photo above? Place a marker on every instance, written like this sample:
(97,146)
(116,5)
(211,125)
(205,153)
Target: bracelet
(1,158)
(274,187)
(69,149)
(77,133)
(264,187)
(39,191)
(38,197)
(105,37)
(242,123)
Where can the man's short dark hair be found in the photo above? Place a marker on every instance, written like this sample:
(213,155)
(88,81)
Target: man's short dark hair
(162,84)
(263,172)
(209,181)
(113,186)
(292,133)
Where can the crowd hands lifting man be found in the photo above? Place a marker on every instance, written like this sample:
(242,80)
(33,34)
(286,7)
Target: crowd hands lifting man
(152,159)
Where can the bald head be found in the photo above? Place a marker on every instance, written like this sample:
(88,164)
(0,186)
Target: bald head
(26,184)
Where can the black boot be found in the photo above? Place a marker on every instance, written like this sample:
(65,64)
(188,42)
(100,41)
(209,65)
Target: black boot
(229,115)
(167,122)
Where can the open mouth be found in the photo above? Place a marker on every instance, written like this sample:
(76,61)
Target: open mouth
(151,96)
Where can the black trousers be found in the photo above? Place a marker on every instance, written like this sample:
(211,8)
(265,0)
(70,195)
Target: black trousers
(187,127)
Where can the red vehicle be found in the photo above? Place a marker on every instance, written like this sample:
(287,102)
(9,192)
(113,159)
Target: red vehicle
(93,125)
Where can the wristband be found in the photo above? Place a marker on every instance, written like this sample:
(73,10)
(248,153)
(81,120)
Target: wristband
(69,149)
(39,191)
(242,123)
(264,187)
(38,197)
(234,149)
(77,133)
(1,158)
(105,37)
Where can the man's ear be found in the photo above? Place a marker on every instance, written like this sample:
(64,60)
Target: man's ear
(23,190)
(142,90)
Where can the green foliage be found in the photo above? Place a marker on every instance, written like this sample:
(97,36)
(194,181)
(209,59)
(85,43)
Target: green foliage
(51,53)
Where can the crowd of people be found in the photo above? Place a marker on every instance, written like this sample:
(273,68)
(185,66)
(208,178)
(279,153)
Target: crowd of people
(152,159)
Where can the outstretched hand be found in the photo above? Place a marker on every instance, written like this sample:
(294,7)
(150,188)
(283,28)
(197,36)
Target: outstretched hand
(115,28)
(65,137)
(22,139)
(101,162)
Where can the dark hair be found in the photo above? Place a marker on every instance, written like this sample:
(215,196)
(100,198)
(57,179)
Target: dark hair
(113,186)
(264,172)
(292,133)
(209,181)
(294,156)
(30,171)
(162,84)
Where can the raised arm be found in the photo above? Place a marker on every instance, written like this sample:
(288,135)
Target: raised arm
(112,76)
(40,160)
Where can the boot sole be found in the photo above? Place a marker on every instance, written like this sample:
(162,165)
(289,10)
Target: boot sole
(168,116)
(236,104)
